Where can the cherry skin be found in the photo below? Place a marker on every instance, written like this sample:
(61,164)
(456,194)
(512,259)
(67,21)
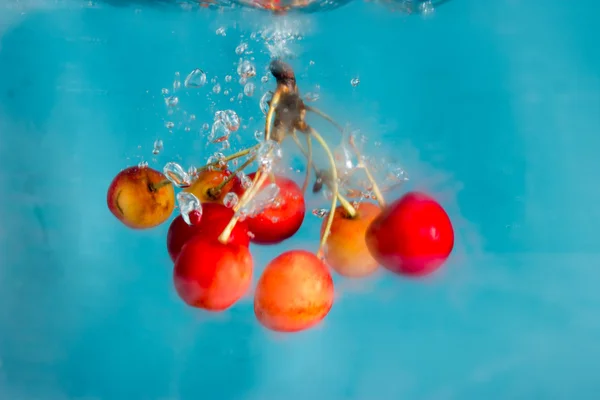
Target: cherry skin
(214,219)
(412,236)
(346,248)
(282,220)
(294,293)
(133,200)
(211,275)
(207,180)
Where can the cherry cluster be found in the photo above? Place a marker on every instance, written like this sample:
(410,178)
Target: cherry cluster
(209,242)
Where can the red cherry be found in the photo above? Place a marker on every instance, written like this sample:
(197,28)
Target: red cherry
(280,221)
(211,275)
(412,236)
(195,217)
(214,219)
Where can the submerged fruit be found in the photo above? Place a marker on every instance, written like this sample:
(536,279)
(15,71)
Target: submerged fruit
(211,275)
(138,197)
(281,219)
(295,292)
(412,236)
(346,247)
(215,218)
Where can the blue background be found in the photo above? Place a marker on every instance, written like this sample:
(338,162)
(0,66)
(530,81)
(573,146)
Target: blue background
(493,106)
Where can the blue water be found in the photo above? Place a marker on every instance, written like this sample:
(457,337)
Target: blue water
(493,106)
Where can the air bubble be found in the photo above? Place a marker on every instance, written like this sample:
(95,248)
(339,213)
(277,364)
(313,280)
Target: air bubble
(354,82)
(158,147)
(230,200)
(246,69)
(241,49)
(190,208)
(264,102)
(172,101)
(249,89)
(268,153)
(175,173)
(217,88)
(320,212)
(195,79)
(229,118)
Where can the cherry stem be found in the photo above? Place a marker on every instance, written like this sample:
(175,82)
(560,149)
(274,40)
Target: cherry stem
(230,157)
(217,189)
(351,210)
(309,162)
(375,187)
(327,230)
(259,179)
(272,107)
(158,185)
(370,177)
(325,117)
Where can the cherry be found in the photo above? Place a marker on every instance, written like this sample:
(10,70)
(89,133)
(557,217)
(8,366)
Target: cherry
(294,293)
(214,219)
(211,275)
(279,221)
(346,248)
(412,236)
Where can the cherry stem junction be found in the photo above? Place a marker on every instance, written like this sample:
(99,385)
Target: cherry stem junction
(375,187)
(345,203)
(155,186)
(217,189)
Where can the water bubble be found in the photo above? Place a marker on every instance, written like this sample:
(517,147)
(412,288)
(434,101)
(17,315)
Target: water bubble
(221,32)
(264,102)
(246,69)
(219,130)
(228,78)
(143,164)
(172,101)
(311,96)
(241,49)
(249,89)
(242,81)
(320,212)
(230,118)
(216,89)
(259,136)
(192,117)
(195,79)
(217,159)
(176,82)
(169,125)
(343,160)
(214,79)
(426,8)
(175,173)
(230,200)
(165,91)
(190,208)
(205,126)
(354,82)
(311,63)
(226,92)
(263,199)
(240,96)
(158,147)
(268,153)
(192,171)
(265,79)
